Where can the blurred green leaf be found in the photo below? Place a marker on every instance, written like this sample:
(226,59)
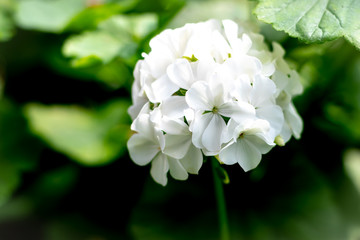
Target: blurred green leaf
(314,20)
(18,149)
(91,47)
(49,16)
(9,181)
(6,26)
(90,17)
(51,186)
(114,74)
(352,166)
(134,27)
(116,37)
(342,110)
(193,11)
(90,137)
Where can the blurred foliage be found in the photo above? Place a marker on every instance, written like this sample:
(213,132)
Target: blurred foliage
(89,137)
(65,78)
(117,36)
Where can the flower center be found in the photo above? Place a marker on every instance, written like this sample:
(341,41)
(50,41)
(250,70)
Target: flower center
(241,135)
(215,110)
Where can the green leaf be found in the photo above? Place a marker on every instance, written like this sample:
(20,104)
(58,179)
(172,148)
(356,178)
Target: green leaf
(52,185)
(135,26)
(90,137)
(118,36)
(9,181)
(89,18)
(313,20)
(49,16)
(114,74)
(18,149)
(6,27)
(90,46)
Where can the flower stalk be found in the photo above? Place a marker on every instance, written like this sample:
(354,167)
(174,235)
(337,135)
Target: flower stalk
(220,200)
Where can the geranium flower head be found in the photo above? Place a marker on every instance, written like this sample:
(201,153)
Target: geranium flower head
(214,89)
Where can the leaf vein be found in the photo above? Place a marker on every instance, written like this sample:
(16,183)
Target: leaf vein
(299,19)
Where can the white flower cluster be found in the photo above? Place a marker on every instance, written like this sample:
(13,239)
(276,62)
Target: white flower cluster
(210,88)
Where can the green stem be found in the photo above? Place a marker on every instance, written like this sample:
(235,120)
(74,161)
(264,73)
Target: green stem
(221,203)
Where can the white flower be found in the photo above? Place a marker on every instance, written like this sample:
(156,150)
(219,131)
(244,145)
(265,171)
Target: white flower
(147,145)
(211,103)
(178,144)
(248,143)
(210,88)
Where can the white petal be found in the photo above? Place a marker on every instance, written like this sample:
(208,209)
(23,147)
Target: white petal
(199,124)
(248,155)
(259,143)
(230,131)
(161,55)
(174,126)
(211,137)
(193,160)
(278,51)
(231,31)
(135,109)
(189,115)
(246,44)
(257,126)
(286,132)
(228,155)
(294,120)
(246,151)
(242,88)
(146,81)
(216,93)
(144,126)
(294,86)
(247,65)
(263,91)
(141,150)
(180,73)
(274,115)
(177,146)
(197,97)
(163,88)
(174,107)
(238,110)
(137,68)
(205,68)
(222,49)
(159,169)
(177,171)
(268,69)
(280,79)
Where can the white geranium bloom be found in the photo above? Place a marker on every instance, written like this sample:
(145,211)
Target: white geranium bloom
(210,88)
(147,145)
(211,103)
(248,143)
(260,94)
(178,144)
(169,46)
